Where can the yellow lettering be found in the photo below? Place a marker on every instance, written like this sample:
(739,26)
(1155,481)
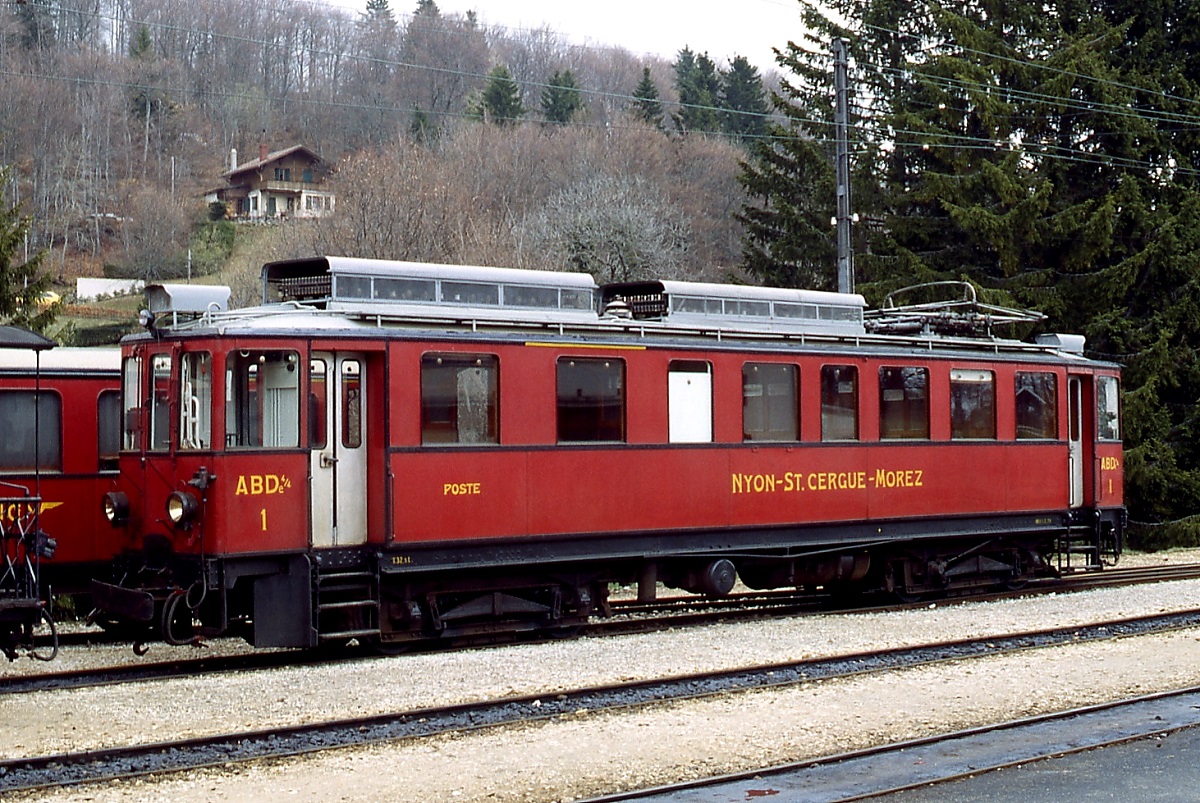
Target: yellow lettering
(241,486)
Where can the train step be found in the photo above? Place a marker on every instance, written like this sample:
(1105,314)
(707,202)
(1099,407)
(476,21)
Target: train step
(346,604)
(349,634)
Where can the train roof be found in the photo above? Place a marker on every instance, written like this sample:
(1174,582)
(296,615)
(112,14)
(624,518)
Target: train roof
(363,297)
(62,359)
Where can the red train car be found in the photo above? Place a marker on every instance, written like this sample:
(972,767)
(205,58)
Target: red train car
(392,451)
(59,425)
(74,396)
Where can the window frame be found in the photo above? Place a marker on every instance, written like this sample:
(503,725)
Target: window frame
(965,428)
(769,412)
(604,428)
(45,451)
(834,413)
(1051,405)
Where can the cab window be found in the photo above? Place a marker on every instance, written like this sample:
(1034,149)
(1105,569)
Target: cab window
(262,408)
(195,401)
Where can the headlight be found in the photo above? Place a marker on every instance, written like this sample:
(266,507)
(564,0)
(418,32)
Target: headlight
(182,507)
(116,507)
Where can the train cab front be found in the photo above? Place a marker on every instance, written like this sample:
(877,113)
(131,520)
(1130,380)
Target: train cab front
(158,576)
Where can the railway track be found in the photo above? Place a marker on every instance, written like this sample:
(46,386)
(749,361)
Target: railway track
(629,616)
(46,771)
(931,764)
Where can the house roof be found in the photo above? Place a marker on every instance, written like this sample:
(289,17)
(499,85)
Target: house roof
(275,156)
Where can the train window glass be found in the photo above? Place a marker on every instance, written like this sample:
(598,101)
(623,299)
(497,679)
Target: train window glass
(108,437)
(839,403)
(904,403)
(577,299)
(770,411)
(517,296)
(1108,411)
(784,309)
(706,306)
(24,446)
(262,399)
(160,403)
(689,401)
(424,290)
(460,400)
(472,293)
(131,374)
(591,400)
(352,427)
(353,287)
(972,404)
(195,401)
(757,309)
(318,403)
(1037,405)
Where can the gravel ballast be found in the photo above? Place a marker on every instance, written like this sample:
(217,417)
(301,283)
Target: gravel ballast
(585,754)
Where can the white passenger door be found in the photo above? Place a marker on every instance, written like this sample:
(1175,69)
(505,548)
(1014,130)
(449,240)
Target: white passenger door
(338,440)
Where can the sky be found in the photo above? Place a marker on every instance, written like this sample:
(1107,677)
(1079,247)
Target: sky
(721,28)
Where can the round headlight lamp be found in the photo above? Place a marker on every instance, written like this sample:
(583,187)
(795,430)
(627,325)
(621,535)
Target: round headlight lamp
(182,507)
(116,507)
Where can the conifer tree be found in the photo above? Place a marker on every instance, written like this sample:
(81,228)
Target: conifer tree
(21,284)
(500,100)
(699,89)
(561,98)
(646,106)
(743,100)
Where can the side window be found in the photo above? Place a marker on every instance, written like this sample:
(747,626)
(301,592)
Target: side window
(318,403)
(591,400)
(1108,409)
(904,403)
(262,399)
(1037,406)
(30,430)
(195,401)
(108,420)
(460,398)
(160,403)
(689,401)
(131,376)
(770,408)
(972,404)
(839,403)
(352,428)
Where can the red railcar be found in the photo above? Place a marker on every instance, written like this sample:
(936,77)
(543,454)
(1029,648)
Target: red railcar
(71,453)
(391,451)
(59,431)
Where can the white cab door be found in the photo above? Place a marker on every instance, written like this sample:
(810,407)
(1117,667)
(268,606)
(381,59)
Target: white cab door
(1075,438)
(338,438)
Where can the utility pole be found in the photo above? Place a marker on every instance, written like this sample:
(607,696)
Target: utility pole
(841,124)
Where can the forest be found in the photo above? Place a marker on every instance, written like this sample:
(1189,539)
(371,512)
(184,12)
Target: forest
(1046,152)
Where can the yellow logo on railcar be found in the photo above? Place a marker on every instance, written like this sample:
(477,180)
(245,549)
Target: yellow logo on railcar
(15,511)
(262,484)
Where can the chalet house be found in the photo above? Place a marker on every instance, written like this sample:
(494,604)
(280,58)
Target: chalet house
(287,183)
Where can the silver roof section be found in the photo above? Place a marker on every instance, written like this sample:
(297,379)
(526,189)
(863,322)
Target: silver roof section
(63,359)
(377,287)
(767,309)
(186,300)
